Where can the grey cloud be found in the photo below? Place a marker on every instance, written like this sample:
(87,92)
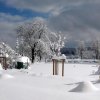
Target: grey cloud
(79,19)
(79,22)
(8,24)
(46,6)
(11,18)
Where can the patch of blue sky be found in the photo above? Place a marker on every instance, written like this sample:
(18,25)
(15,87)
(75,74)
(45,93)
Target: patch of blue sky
(25,13)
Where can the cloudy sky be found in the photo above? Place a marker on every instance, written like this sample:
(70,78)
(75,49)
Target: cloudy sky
(77,19)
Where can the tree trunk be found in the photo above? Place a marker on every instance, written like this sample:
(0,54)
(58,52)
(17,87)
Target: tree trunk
(33,55)
(81,54)
(97,54)
(40,57)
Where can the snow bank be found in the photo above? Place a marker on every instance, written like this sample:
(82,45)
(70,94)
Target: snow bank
(23,59)
(98,81)
(40,84)
(5,76)
(0,67)
(1,70)
(98,71)
(86,86)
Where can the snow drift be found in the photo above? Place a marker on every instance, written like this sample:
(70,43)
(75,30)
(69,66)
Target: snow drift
(97,81)
(1,67)
(86,86)
(98,71)
(5,76)
(1,70)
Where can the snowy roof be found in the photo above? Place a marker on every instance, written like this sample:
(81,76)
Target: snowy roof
(23,59)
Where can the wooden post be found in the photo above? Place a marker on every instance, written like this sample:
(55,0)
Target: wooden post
(3,60)
(62,67)
(56,67)
(5,64)
(53,66)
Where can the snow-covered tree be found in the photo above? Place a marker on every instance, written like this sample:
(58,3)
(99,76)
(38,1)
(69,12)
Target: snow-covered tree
(87,54)
(96,48)
(38,38)
(17,45)
(81,48)
(7,51)
(58,44)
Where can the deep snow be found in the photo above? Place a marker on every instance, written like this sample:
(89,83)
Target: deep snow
(38,83)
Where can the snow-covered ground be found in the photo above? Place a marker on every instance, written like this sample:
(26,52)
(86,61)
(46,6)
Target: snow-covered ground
(38,83)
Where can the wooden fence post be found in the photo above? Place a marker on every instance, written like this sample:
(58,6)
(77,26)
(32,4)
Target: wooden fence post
(63,67)
(56,67)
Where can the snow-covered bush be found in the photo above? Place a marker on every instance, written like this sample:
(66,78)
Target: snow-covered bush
(57,45)
(7,51)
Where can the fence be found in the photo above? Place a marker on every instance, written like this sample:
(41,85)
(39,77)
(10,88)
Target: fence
(82,61)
